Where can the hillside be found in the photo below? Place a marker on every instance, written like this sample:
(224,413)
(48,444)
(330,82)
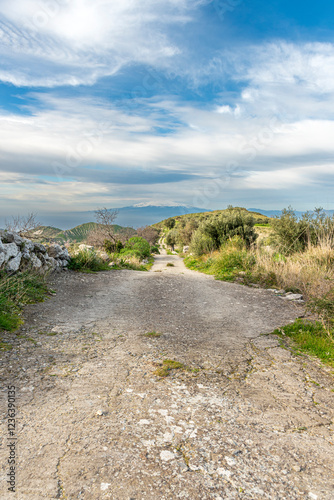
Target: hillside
(203,216)
(76,235)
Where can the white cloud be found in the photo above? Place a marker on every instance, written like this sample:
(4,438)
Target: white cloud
(67,42)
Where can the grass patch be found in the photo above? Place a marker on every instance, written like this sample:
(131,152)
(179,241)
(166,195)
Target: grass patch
(170,264)
(310,337)
(167,366)
(225,264)
(17,290)
(152,334)
(87,261)
(4,346)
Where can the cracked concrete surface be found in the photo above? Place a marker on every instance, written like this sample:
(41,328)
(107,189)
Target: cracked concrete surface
(244,418)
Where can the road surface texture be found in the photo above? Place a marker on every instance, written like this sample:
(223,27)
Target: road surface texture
(242,417)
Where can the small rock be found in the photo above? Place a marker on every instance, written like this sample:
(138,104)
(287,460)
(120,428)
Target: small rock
(13,265)
(105,486)
(100,413)
(166,455)
(293,296)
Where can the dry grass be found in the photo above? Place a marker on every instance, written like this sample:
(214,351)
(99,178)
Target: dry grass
(311,272)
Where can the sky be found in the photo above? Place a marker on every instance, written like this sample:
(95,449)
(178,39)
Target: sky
(207,103)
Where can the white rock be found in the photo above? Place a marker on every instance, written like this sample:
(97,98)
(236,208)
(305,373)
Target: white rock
(55,251)
(85,247)
(10,250)
(40,248)
(224,472)
(35,262)
(27,245)
(144,422)
(105,486)
(166,456)
(10,237)
(13,265)
(293,296)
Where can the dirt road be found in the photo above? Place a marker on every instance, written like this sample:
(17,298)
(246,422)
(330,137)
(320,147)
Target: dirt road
(240,418)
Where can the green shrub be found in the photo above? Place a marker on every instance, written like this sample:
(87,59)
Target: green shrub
(292,234)
(229,225)
(231,261)
(87,260)
(170,223)
(172,238)
(155,249)
(201,243)
(137,246)
(112,246)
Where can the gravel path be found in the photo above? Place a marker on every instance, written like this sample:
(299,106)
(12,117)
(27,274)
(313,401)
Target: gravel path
(241,418)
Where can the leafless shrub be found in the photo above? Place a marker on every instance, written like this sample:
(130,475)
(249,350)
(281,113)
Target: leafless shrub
(106,219)
(105,229)
(150,234)
(25,226)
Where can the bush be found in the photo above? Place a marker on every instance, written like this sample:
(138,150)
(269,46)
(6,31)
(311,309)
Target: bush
(87,260)
(291,234)
(155,249)
(172,238)
(149,234)
(112,247)
(229,225)
(137,246)
(201,243)
(186,230)
(170,223)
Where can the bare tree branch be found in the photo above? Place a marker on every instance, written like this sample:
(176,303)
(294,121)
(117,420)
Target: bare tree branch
(106,219)
(25,226)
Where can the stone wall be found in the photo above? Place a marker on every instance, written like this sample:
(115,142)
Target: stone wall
(18,253)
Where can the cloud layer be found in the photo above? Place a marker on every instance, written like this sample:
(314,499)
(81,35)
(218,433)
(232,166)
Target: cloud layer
(252,125)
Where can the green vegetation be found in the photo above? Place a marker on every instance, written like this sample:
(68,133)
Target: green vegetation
(87,260)
(170,264)
(136,246)
(16,291)
(227,264)
(167,366)
(153,334)
(295,235)
(310,337)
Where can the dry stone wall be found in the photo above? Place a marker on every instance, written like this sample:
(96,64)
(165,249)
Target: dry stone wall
(17,254)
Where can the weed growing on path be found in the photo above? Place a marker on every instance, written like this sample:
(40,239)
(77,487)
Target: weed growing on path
(310,337)
(153,334)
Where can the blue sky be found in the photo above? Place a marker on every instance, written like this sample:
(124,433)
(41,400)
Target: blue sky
(207,103)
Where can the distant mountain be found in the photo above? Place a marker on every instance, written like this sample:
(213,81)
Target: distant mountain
(142,214)
(77,234)
(274,213)
(147,214)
